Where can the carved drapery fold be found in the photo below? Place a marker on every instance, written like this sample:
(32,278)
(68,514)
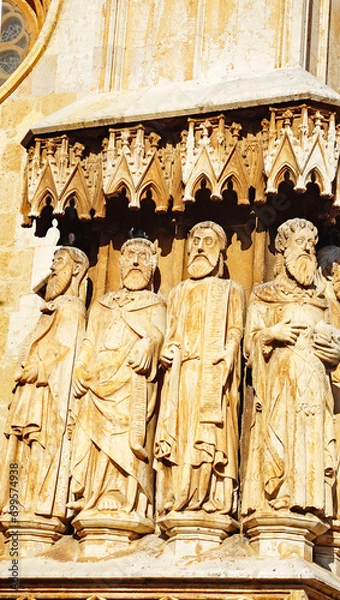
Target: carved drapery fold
(211,153)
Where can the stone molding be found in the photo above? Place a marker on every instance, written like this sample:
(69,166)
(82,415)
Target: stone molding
(231,580)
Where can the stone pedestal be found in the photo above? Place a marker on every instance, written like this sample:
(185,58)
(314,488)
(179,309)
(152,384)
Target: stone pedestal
(191,533)
(327,549)
(102,533)
(30,535)
(284,534)
(148,570)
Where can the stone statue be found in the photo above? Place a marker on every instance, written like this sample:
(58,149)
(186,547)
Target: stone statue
(329,261)
(37,420)
(291,349)
(116,378)
(196,444)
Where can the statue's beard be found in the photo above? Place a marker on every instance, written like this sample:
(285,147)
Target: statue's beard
(57,284)
(200,265)
(302,268)
(135,279)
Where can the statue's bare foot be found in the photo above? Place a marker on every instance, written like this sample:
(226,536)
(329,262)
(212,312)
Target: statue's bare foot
(195,505)
(77,505)
(169,504)
(209,506)
(280,503)
(109,501)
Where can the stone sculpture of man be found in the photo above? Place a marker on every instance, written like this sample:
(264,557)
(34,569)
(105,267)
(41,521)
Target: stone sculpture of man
(197,434)
(116,379)
(37,420)
(291,348)
(329,261)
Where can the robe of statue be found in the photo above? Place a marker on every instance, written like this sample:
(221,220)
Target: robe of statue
(335,377)
(198,420)
(291,459)
(37,419)
(113,436)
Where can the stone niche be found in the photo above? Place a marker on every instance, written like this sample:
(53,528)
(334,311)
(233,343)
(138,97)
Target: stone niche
(247,173)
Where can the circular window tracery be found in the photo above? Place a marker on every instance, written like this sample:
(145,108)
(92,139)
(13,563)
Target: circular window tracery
(21,21)
(14,39)
(9,62)
(11,29)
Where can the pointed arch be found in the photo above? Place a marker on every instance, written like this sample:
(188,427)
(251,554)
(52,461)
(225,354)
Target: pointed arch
(278,177)
(76,188)
(122,185)
(81,204)
(240,187)
(46,187)
(40,201)
(153,177)
(190,192)
(121,173)
(323,183)
(283,159)
(234,169)
(160,205)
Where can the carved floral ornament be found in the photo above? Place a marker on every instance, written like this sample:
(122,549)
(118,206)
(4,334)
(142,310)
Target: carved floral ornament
(300,141)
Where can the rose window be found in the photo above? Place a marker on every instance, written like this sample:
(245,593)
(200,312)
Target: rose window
(21,21)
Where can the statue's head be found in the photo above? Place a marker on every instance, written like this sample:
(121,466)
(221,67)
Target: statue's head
(329,260)
(295,242)
(69,267)
(207,242)
(138,262)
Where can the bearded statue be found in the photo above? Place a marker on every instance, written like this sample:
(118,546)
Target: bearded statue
(329,262)
(196,447)
(291,347)
(36,427)
(115,381)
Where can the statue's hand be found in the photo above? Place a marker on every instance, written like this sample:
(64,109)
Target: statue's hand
(327,349)
(285,332)
(227,357)
(29,374)
(141,356)
(167,354)
(79,382)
